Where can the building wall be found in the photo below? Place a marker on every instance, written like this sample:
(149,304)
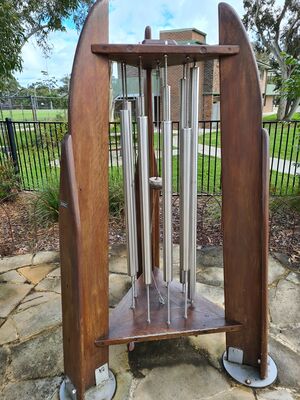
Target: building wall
(175,73)
(268,104)
(183,35)
(209,82)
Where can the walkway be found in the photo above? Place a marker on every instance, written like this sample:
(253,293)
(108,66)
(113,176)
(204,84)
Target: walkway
(31,356)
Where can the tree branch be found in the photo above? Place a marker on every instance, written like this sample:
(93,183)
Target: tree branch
(34,31)
(281,16)
(258,26)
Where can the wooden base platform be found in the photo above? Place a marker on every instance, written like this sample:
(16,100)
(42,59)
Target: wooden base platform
(128,325)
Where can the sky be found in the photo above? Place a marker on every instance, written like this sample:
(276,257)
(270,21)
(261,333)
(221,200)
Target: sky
(127,21)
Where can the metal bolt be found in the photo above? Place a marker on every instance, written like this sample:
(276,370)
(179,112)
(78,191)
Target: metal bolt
(73,391)
(259,361)
(248,381)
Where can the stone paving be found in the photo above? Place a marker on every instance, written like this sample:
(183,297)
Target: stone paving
(31,356)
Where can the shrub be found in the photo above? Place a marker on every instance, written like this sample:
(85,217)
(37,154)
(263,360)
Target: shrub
(46,204)
(9,182)
(116,195)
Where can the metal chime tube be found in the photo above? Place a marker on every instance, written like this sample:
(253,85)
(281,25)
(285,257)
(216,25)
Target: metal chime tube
(142,125)
(194,114)
(129,185)
(129,195)
(182,124)
(185,207)
(143,147)
(185,182)
(167,189)
(141,99)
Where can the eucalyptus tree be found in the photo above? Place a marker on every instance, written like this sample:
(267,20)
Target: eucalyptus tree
(22,20)
(277,32)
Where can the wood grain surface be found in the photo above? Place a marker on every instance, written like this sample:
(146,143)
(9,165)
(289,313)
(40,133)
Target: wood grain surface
(127,325)
(88,126)
(153,53)
(243,219)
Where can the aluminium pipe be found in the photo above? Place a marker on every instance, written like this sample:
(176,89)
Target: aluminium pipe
(140,106)
(194,118)
(128,106)
(129,194)
(166,103)
(186,135)
(142,128)
(167,201)
(167,187)
(167,210)
(183,124)
(140,101)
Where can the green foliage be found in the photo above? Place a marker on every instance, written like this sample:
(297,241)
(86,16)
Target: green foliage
(289,202)
(49,138)
(9,84)
(116,194)
(276,30)
(9,182)
(46,204)
(12,38)
(276,27)
(20,20)
(291,86)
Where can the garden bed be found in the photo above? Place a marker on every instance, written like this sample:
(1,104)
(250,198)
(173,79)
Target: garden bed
(20,232)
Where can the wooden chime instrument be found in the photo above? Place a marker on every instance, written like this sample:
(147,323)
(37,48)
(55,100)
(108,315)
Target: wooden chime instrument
(158,306)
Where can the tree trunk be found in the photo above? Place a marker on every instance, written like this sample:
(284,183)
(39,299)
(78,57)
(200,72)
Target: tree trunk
(282,99)
(293,109)
(281,108)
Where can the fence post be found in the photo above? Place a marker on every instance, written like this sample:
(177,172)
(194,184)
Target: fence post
(33,107)
(12,144)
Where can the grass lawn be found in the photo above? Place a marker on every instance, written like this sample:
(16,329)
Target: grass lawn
(38,150)
(273,117)
(284,140)
(39,155)
(42,115)
(209,177)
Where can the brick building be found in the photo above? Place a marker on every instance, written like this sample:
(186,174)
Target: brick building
(209,86)
(209,75)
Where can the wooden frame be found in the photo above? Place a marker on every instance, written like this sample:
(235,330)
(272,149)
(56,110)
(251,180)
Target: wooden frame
(87,328)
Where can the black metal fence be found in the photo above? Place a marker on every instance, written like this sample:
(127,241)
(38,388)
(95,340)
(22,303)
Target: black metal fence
(34,149)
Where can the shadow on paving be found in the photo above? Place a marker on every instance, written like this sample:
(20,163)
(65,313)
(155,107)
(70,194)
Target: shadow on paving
(149,355)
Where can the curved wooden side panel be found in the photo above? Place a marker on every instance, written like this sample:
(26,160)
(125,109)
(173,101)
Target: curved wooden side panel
(70,250)
(244,222)
(88,127)
(265,251)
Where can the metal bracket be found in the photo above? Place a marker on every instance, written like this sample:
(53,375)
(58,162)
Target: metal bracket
(104,389)
(246,374)
(101,374)
(67,390)
(106,385)
(235,355)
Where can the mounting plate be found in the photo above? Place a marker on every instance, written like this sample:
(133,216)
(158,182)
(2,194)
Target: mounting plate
(249,376)
(104,391)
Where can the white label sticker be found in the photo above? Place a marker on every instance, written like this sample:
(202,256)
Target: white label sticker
(101,374)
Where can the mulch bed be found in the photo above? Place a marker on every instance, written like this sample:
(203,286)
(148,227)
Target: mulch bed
(21,234)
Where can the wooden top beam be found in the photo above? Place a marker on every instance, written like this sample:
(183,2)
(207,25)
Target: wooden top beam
(153,53)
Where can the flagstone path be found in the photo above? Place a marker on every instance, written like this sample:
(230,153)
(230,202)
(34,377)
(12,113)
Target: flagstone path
(31,356)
